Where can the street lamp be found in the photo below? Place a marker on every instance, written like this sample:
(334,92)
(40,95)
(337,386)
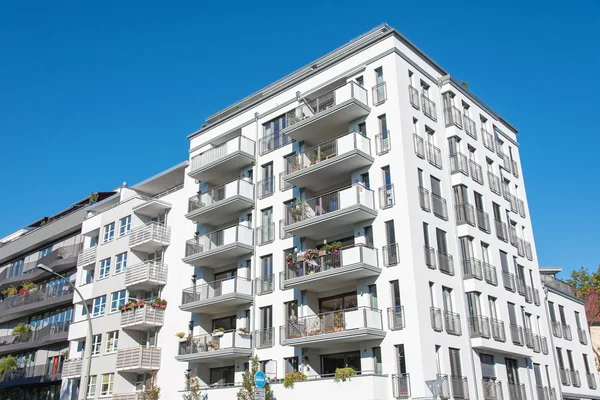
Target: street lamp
(88,347)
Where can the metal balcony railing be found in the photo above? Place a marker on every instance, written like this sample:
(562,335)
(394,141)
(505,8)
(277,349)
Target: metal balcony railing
(472,268)
(428,107)
(312,107)
(552,394)
(264,338)
(452,323)
(386,196)
(575,378)
(483,220)
(544,345)
(332,322)
(521,285)
(542,392)
(437,321)
(565,376)
(494,183)
(501,230)
(459,163)
(476,172)
(147,358)
(231,339)
(528,252)
(210,156)
(516,391)
(479,327)
(567,332)
(488,139)
(465,214)
(430,257)
(305,210)
(591,380)
(453,117)
(396,318)
(470,127)
(537,343)
(219,193)
(37,296)
(419,146)
(266,187)
(509,281)
(220,238)
(445,263)
(129,396)
(264,284)
(582,336)
(536,297)
(401,386)
(506,164)
(272,142)
(152,231)
(528,335)
(283,184)
(391,255)
(515,168)
(43,372)
(434,155)
(379,93)
(492,389)
(444,387)
(552,281)
(439,206)
(213,290)
(497,328)
(489,274)
(148,271)
(528,294)
(512,233)
(521,207)
(516,334)
(383,143)
(556,329)
(499,149)
(282,233)
(413,95)
(460,387)
(265,234)
(36,334)
(424,199)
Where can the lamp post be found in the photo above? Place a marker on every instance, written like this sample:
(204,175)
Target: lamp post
(88,347)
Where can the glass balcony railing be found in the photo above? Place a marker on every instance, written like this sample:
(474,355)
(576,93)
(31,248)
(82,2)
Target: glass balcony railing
(221,193)
(215,290)
(218,239)
(218,153)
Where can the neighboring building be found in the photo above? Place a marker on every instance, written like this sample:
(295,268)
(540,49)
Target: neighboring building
(133,246)
(592,312)
(36,307)
(574,354)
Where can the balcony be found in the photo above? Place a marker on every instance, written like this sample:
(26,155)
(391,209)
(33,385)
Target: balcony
(476,172)
(424,199)
(497,328)
(268,143)
(591,380)
(567,332)
(35,301)
(129,396)
(146,275)
(492,389)
(221,203)
(437,320)
(21,377)
(401,386)
(53,333)
(391,255)
(542,392)
(489,274)
(379,94)
(459,163)
(506,162)
(150,237)
(87,257)
(553,282)
(72,368)
(494,183)
(537,343)
(528,252)
(339,327)
(330,214)
(264,338)
(152,207)
(465,214)
(413,96)
(582,336)
(516,391)
(575,378)
(443,389)
(452,323)
(142,318)
(453,117)
(544,345)
(516,335)
(521,207)
(265,234)
(386,196)
(501,230)
(479,327)
(528,335)
(488,139)
(219,247)
(221,346)
(330,269)
(396,318)
(383,143)
(419,146)
(138,359)
(224,162)
(528,294)
(434,155)
(470,127)
(264,284)
(439,206)
(460,387)
(556,329)
(509,281)
(428,107)
(472,269)
(218,296)
(429,257)
(565,376)
(320,166)
(328,111)
(445,263)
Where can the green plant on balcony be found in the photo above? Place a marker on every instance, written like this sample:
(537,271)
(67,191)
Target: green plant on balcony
(7,364)
(21,331)
(291,378)
(313,159)
(28,287)
(180,335)
(343,374)
(311,254)
(290,258)
(213,344)
(219,331)
(93,197)
(157,302)
(244,331)
(10,291)
(192,384)
(333,247)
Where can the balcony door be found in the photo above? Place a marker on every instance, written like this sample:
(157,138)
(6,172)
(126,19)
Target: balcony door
(331,362)
(222,376)
(512,371)
(340,302)
(272,133)
(455,365)
(442,246)
(473,305)
(537,372)
(401,359)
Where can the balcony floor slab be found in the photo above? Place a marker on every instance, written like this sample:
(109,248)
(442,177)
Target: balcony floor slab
(332,278)
(217,305)
(332,223)
(219,256)
(223,211)
(215,355)
(223,169)
(327,339)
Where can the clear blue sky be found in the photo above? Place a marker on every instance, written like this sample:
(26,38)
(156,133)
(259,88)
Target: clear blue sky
(92,94)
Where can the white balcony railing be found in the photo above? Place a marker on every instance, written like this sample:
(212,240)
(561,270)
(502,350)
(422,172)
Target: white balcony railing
(215,154)
(151,232)
(221,193)
(148,271)
(72,368)
(138,358)
(87,257)
(214,240)
(207,345)
(147,315)
(216,289)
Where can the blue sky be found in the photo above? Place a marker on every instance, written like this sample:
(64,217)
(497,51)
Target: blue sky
(92,94)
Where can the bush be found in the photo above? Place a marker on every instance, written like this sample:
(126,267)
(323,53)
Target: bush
(343,374)
(291,378)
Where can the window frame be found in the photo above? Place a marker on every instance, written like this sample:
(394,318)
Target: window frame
(109,233)
(101,306)
(120,262)
(124,226)
(109,384)
(112,342)
(118,300)
(104,270)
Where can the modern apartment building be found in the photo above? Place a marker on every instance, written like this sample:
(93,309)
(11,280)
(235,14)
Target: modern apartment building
(36,307)
(575,358)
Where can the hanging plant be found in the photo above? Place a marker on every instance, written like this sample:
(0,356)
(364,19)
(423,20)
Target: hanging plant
(311,254)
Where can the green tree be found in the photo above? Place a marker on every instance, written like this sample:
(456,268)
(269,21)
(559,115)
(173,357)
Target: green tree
(7,364)
(193,386)
(246,392)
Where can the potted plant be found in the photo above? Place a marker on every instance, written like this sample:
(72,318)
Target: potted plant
(7,364)
(313,159)
(218,332)
(213,344)
(139,303)
(30,286)
(244,331)
(163,304)
(94,197)
(181,336)
(291,378)
(311,254)
(21,331)
(343,374)
(10,291)
(289,259)
(338,322)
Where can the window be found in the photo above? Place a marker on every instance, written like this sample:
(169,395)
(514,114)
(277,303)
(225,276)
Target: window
(107,384)
(291,364)
(117,300)
(109,232)
(362,128)
(45,252)
(121,263)
(267,265)
(98,306)
(379,92)
(112,341)
(373,296)
(361,81)
(16,268)
(104,268)
(96,345)
(91,391)
(124,225)
(396,302)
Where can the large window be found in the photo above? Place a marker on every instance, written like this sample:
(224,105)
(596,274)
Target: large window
(340,302)
(227,323)
(98,306)
(91,390)
(121,263)
(45,252)
(331,362)
(96,344)
(104,268)
(124,225)
(109,232)
(112,341)
(107,384)
(117,300)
